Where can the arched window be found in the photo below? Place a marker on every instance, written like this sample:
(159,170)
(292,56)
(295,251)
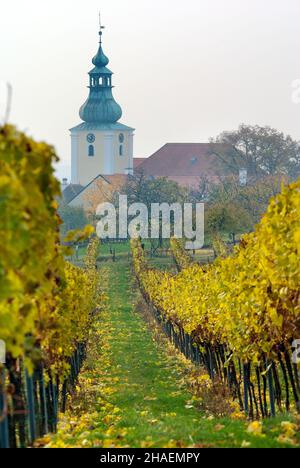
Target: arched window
(121,150)
(91,150)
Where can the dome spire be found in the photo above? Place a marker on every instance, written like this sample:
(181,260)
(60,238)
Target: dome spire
(100,107)
(100,60)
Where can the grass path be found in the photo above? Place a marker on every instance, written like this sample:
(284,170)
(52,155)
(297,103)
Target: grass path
(131,393)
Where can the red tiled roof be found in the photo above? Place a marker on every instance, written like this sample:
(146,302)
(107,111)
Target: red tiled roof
(180,159)
(186,181)
(137,162)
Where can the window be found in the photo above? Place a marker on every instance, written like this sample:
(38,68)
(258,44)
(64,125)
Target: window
(91,150)
(121,150)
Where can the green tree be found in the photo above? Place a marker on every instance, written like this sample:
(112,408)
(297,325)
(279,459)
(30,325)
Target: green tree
(227,217)
(72,218)
(233,208)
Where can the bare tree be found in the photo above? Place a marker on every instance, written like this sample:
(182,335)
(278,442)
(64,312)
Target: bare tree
(262,151)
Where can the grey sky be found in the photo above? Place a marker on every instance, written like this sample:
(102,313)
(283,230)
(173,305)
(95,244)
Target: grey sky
(184,70)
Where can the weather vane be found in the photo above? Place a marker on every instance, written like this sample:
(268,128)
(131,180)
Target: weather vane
(100,24)
(100,27)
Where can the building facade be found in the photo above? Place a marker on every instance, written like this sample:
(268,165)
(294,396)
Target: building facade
(100,144)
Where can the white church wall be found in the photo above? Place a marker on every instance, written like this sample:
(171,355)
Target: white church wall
(106,160)
(74,158)
(88,166)
(108,154)
(121,162)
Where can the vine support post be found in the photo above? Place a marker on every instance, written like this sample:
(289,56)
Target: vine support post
(43,400)
(55,403)
(4,435)
(64,396)
(31,406)
(246,388)
(271,387)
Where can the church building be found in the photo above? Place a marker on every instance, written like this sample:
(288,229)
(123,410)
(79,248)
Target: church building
(102,147)
(101,144)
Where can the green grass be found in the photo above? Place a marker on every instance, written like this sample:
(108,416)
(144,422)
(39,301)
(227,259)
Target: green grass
(133,390)
(143,369)
(122,251)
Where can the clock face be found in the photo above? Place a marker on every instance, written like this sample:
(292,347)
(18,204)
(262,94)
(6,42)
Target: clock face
(121,137)
(91,138)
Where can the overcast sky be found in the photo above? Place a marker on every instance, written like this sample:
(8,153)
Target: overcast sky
(183,70)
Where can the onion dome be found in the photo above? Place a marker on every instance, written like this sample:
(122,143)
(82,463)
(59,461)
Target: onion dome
(100,60)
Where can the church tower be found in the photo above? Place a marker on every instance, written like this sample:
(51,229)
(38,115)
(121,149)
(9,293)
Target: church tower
(101,144)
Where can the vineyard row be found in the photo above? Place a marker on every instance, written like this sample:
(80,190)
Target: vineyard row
(241,314)
(46,303)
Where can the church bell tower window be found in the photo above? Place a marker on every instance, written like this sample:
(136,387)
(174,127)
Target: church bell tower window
(91,151)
